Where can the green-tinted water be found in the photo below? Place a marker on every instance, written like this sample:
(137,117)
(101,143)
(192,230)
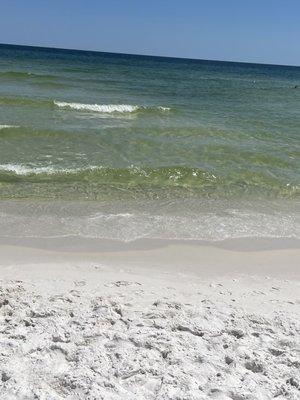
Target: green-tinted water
(144,141)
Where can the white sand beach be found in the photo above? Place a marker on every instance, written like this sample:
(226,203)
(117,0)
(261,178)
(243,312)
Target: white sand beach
(161,321)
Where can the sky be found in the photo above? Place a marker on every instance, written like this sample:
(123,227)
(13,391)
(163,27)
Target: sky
(263,31)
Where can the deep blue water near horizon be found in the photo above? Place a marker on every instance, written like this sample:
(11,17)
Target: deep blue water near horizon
(125,146)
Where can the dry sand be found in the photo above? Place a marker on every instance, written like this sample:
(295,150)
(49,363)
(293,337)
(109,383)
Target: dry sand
(149,321)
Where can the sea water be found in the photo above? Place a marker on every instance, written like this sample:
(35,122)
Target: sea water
(123,147)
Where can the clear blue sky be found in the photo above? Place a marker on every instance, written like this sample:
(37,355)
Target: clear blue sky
(266,31)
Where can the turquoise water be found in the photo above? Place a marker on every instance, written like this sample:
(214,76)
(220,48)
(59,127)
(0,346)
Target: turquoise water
(121,146)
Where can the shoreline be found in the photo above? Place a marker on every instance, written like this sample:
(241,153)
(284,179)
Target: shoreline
(246,256)
(95,245)
(92,224)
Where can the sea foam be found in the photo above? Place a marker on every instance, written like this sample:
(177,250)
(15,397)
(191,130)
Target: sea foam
(107,108)
(8,126)
(20,169)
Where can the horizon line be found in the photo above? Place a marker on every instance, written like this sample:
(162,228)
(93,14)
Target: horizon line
(149,55)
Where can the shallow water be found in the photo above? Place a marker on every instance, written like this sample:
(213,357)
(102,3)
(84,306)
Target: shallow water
(119,146)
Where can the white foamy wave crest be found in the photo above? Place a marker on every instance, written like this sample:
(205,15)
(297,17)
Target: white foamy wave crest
(106,108)
(20,169)
(8,126)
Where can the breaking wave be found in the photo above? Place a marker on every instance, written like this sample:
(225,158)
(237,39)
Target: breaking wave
(8,126)
(131,178)
(95,108)
(20,169)
(108,108)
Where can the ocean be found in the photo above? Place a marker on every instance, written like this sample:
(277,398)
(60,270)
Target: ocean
(123,147)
